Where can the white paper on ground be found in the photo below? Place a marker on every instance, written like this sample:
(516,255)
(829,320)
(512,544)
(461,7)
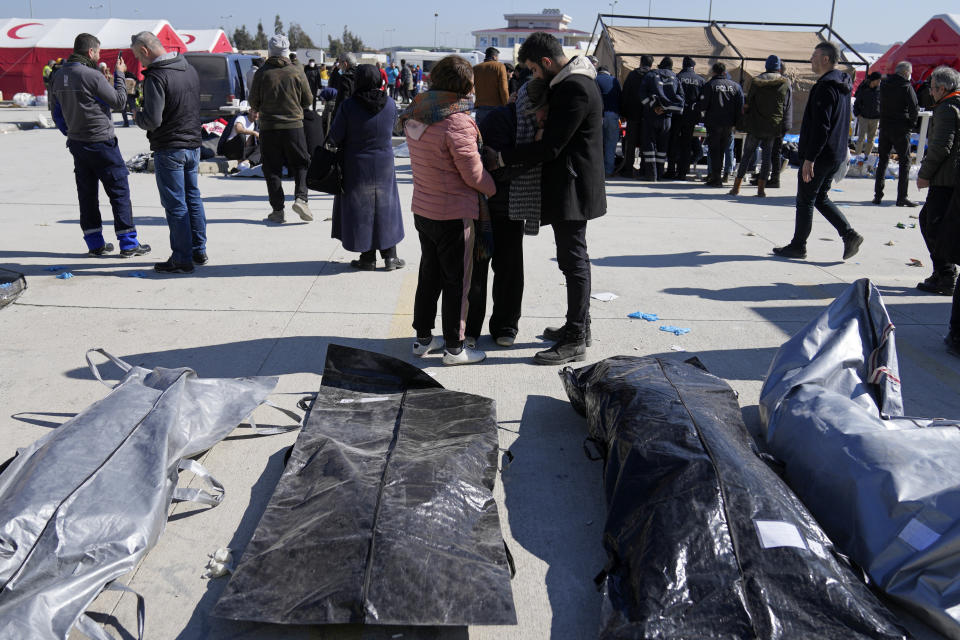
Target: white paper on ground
(362,400)
(604,296)
(918,535)
(776,533)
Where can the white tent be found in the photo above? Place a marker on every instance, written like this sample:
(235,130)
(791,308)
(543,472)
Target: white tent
(26,45)
(209,40)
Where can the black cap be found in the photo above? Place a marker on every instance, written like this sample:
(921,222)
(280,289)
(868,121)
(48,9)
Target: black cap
(688,62)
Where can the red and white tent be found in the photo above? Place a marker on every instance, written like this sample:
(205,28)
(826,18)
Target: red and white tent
(207,40)
(935,43)
(26,45)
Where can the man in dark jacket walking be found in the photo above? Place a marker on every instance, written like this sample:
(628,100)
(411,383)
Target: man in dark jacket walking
(81,105)
(898,114)
(573,190)
(171,117)
(681,127)
(763,117)
(661,99)
(280,93)
(631,111)
(866,106)
(722,103)
(939,173)
(823,149)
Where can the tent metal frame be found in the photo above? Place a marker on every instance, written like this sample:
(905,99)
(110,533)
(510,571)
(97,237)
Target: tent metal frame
(717,24)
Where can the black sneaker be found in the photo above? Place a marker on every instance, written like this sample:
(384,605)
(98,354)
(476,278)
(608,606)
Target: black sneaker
(200,257)
(851,245)
(172,267)
(139,250)
(791,251)
(100,251)
(773,183)
(906,203)
(939,283)
(877,199)
(556,334)
(394,263)
(713,182)
(562,352)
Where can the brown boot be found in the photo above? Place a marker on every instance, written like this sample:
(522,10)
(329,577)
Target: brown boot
(761,185)
(736,187)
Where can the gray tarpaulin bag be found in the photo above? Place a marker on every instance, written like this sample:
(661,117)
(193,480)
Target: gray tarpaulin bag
(885,488)
(385,512)
(82,505)
(704,540)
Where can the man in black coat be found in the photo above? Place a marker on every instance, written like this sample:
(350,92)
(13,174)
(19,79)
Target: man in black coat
(681,129)
(898,114)
(631,111)
(824,132)
(312,72)
(866,106)
(721,102)
(572,181)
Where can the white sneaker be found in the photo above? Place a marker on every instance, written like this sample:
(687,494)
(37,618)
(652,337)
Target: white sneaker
(301,208)
(470,343)
(421,350)
(466,356)
(506,341)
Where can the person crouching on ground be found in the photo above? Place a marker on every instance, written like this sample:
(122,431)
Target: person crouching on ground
(447,174)
(367,216)
(280,92)
(171,117)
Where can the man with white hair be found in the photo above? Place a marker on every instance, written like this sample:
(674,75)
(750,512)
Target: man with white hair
(898,113)
(171,116)
(280,92)
(939,173)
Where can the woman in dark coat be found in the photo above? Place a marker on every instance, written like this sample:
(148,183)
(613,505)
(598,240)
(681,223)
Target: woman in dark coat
(366,216)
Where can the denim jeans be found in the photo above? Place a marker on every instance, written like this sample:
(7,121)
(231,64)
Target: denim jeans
(177,171)
(815,194)
(611,136)
(748,159)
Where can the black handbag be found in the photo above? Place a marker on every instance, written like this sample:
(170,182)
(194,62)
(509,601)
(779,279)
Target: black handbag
(325,173)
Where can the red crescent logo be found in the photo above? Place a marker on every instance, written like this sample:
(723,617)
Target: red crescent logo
(188,39)
(12,33)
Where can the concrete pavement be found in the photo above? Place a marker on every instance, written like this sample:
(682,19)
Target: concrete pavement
(272,298)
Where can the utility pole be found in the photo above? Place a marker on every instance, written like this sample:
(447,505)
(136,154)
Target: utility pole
(833,7)
(436,27)
(710,12)
(649,10)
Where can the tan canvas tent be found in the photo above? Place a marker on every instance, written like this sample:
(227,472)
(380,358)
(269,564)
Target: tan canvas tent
(743,50)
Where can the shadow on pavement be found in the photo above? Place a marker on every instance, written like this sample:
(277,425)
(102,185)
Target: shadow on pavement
(687,259)
(555,507)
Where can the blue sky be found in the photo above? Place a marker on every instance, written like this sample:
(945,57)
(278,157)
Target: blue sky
(411,22)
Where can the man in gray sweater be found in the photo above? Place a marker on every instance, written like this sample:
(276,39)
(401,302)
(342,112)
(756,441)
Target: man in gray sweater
(82,101)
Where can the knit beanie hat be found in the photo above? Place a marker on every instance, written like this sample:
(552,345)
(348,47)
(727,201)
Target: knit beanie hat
(278,45)
(688,62)
(773,63)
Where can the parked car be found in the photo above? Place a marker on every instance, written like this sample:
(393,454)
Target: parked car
(221,80)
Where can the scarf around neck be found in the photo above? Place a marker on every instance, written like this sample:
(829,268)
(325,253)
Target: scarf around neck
(433,106)
(82,59)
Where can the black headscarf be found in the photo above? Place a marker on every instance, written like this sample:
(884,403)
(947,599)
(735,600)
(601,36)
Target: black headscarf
(367,88)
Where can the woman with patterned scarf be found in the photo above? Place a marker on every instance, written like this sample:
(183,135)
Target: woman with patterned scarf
(447,175)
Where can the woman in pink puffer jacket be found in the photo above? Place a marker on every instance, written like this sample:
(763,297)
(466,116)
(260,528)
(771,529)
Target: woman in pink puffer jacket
(448,175)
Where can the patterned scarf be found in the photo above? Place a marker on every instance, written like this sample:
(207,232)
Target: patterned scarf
(433,106)
(525,189)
